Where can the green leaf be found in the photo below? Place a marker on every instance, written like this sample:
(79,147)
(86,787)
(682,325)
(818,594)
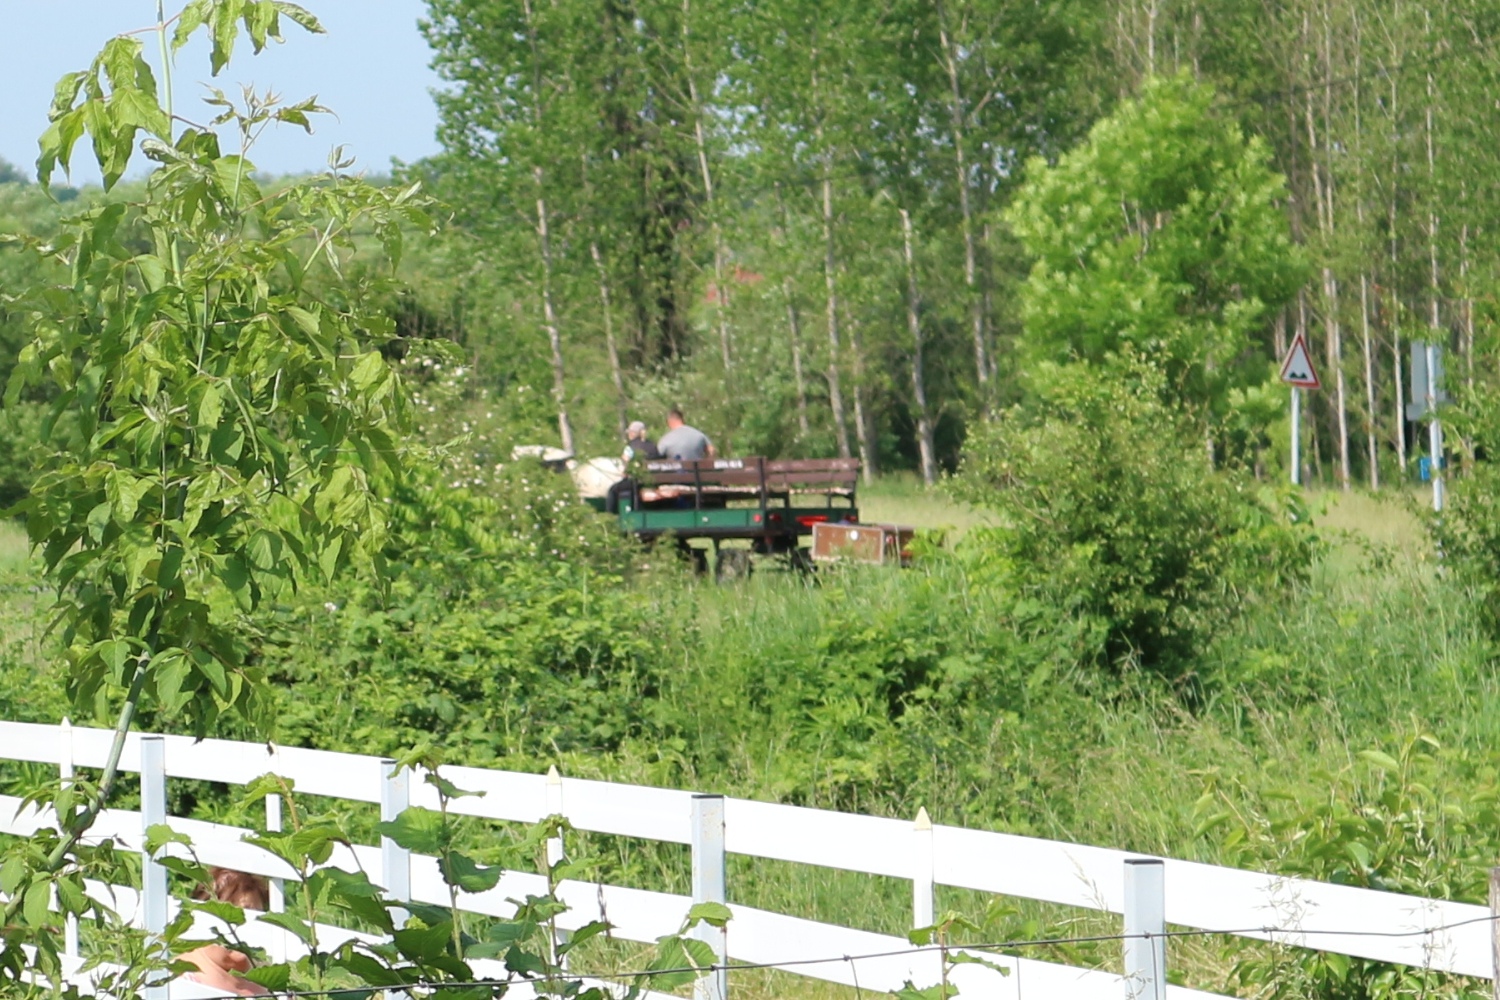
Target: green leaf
(416,829)
(159,834)
(190,20)
(713,914)
(210,408)
(424,945)
(37,907)
(300,928)
(12,872)
(587,932)
(1382,760)
(275,978)
(223,24)
(230,914)
(355,894)
(368,371)
(971,958)
(446,788)
(138,109)
(464,873)
(299,15)
(169,673)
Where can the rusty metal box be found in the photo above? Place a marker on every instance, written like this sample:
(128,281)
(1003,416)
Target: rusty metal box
(879,544)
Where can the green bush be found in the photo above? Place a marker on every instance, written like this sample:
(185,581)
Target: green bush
(1419,821)
(20,435)
(1468,533)
(1111,512)
(499,627)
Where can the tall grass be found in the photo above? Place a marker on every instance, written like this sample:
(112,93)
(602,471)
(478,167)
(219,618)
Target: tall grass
(758,699)
(15,551)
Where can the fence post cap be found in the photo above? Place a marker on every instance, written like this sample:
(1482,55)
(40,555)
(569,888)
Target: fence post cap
(554,777)
(924,821)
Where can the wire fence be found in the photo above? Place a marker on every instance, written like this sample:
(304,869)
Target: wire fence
(942,950)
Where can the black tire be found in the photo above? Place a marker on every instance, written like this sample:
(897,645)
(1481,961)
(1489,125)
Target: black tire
(733,564)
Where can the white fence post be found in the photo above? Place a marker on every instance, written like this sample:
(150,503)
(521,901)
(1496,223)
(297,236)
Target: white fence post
(1495,931)
(554,808)
(556,851)
(277,901)
(153,813)
(65,771)
(923,909)
(709,887)
(1145,929)
(395,860)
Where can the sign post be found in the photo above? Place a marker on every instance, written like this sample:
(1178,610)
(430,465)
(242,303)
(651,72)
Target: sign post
(1427,396)
(1297,371)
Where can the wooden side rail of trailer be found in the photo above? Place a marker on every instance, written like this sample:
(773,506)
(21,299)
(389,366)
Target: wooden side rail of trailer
(772,502)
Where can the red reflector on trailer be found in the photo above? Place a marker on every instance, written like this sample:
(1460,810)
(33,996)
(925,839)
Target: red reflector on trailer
(755,519)
(811,519)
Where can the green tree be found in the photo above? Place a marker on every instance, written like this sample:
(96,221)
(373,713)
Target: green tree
(1162,233)
(221,425)
(1110,514)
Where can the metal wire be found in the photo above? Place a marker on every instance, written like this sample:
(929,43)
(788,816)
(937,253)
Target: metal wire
(1267,931)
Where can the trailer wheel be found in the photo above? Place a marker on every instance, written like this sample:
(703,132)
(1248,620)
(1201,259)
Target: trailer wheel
(799,560)
(733,564)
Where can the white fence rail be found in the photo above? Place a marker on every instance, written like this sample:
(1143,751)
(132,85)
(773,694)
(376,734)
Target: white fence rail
(1427,933)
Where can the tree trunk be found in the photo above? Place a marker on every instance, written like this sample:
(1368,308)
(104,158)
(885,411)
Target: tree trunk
(1323,194)
(1434,320)
(864,419)
(1466,304)
(1309,426)
(830,283)
(544,242)
(1367,346)
(956,117)
(793,319)
(987,283)
(1395,317)
(615,374)
(549,319)
(794,329)
(1372,443)
(721,290)
(925,443)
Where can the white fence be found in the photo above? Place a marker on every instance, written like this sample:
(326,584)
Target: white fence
(1149,893)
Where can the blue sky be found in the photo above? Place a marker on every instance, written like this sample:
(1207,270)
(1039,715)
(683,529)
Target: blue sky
(371,69)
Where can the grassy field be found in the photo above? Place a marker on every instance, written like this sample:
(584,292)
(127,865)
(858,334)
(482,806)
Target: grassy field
(765,691)
(14,553)
(905,501)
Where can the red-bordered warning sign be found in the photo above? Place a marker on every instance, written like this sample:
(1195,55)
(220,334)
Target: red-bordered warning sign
(1298,368)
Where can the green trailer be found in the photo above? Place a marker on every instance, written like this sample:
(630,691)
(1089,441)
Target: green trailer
(772,504)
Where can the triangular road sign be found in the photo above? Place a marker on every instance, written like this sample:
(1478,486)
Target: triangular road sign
(1298,369)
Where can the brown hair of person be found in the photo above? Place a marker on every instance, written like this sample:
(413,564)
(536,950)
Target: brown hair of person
(248,892)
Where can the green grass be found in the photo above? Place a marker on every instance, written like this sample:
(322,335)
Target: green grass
(765,693)
(15,552)
(905,501)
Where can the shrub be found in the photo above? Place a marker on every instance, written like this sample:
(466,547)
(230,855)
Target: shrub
(20,437)
(1111,512)
(1468,533)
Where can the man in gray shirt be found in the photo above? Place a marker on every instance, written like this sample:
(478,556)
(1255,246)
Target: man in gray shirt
(684,443)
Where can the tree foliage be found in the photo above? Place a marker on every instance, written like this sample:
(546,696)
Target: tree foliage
(1111,513)
(1161,233)
(218,430)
